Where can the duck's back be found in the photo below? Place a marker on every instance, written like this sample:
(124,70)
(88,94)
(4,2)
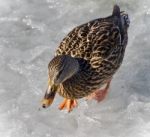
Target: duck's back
(98,37)
(99,46)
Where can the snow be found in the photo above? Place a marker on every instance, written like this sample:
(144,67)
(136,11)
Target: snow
(30,31)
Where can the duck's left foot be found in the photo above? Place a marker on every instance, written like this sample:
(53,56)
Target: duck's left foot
(69,104)
(99,94)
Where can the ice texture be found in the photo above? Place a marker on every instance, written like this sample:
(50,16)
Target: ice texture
(30,31)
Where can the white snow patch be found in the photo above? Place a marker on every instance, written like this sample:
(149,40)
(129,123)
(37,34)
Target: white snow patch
(30,32)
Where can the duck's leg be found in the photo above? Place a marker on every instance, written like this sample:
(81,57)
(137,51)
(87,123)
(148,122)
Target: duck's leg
(99,94)
(69,104)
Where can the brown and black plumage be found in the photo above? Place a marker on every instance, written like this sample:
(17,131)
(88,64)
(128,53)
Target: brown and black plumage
(87,58)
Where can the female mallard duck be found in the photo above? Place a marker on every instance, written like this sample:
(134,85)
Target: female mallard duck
(86,59)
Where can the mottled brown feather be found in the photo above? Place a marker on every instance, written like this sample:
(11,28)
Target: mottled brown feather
(99,47)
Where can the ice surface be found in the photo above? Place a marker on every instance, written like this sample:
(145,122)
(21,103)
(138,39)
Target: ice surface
(30,31)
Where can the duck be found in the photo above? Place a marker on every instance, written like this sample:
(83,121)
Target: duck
(86,60)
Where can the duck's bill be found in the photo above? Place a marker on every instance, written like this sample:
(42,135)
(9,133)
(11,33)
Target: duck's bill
(46,102)
(49,97)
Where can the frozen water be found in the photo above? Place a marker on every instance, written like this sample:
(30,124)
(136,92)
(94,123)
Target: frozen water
(30,31)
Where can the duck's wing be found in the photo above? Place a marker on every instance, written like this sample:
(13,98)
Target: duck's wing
(85,39)
(110,41)
(94,41)
(107,41)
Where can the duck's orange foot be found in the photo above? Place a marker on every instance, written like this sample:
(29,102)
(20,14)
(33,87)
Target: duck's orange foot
(99,94)
(69,104)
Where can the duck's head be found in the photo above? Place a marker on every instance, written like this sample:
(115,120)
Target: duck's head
(60,69)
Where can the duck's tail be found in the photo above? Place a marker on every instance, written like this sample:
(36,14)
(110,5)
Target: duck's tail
(116,11)
(122,16)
